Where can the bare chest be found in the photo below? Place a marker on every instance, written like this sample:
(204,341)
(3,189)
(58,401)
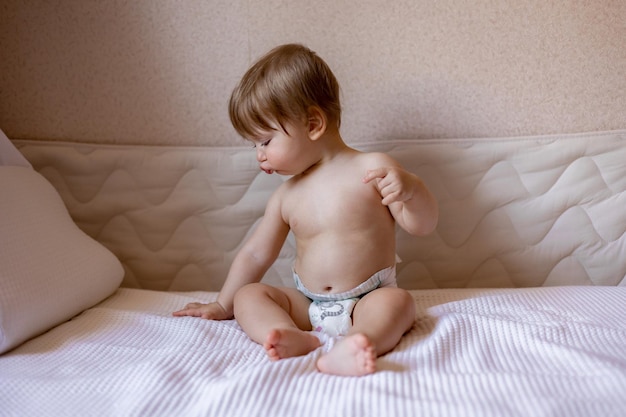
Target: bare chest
(333,205)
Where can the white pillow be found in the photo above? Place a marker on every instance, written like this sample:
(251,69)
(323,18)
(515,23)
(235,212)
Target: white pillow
(50,270)
(9,155)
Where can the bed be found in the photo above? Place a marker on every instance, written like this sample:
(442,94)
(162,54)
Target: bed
(520,292)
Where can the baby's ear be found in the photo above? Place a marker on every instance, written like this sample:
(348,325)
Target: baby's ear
(316,122)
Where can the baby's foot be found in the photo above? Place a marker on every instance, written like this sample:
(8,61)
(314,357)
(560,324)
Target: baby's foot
(285,343)
(352,356)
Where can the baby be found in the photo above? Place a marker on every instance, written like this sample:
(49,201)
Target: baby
(341,205)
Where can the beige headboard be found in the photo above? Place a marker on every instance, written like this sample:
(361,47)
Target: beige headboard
(161,71)
(514,212)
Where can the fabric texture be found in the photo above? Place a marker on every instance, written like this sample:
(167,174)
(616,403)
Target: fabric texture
(512,352)
(49,269)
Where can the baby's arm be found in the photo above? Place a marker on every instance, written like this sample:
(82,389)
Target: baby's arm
(250,264)
(409,200)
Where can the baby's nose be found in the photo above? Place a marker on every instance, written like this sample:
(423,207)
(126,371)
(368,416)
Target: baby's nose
(260,155)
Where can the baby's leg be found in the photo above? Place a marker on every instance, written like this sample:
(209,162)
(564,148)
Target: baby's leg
(277,319)
(379,321)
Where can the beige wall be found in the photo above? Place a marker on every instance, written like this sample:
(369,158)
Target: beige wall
(161,71)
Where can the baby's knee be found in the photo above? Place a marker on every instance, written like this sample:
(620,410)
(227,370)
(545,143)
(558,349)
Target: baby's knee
(402,301)
(250,291)
(407,300)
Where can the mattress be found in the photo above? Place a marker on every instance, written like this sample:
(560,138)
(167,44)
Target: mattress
(514,212)
(543,216)
(555,351)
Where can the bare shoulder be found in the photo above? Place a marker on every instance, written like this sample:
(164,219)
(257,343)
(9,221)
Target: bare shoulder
(378,159)
(281,202)
(276,200)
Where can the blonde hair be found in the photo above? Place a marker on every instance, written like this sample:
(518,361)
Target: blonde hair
(281,87)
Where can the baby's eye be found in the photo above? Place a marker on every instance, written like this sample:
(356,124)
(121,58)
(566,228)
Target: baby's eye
(261,143)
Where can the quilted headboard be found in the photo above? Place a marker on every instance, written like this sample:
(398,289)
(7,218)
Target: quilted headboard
(528,211)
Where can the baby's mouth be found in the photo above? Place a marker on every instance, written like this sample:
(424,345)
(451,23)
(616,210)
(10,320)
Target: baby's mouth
(267,171)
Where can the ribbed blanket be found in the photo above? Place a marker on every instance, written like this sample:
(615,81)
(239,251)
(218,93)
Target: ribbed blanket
(558,351)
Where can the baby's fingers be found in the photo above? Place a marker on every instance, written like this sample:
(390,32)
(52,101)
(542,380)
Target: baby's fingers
(394,192)
(375,173)
(391,198)
(191,309)
(187,312)
(183,312)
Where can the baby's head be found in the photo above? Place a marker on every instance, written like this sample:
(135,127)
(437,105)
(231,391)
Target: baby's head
(281,87)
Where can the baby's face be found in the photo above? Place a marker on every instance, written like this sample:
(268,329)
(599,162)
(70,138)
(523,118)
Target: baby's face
(284,151)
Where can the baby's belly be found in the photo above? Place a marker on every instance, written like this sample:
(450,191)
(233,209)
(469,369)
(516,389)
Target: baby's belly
(334,265)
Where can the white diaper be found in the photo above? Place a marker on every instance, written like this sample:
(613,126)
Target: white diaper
(332,313)
(332,317)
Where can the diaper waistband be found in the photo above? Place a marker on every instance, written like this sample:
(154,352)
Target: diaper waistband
(384,277)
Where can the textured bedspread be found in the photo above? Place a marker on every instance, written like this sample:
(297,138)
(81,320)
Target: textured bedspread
(557,351)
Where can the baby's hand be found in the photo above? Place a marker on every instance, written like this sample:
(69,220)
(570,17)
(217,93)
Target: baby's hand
(211,311)
(394,183)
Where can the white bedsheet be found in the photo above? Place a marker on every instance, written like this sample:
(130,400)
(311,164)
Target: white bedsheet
(558,351)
